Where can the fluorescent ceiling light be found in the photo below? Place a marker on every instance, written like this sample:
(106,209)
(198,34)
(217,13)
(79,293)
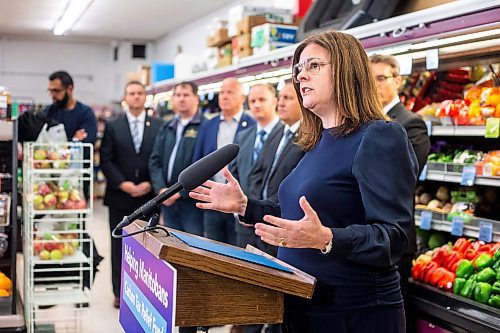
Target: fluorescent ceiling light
(72,13)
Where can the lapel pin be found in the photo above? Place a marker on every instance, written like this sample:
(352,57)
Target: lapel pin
(148,123)
(244,124)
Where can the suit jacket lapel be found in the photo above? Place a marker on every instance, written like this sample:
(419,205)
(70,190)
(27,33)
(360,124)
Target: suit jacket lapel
(147,136)
(126,130)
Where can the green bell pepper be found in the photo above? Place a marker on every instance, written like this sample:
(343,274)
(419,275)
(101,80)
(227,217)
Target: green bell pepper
(465,269)
(486,275)
(483,261)
(458,285)
(496,265)
(496,256)
(468,289)
(482,292)
(496,288)
(494,301)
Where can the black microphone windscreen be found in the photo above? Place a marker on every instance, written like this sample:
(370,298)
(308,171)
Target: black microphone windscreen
(206,167)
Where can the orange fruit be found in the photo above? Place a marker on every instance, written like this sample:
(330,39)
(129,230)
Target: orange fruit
(5,283)
(4,293)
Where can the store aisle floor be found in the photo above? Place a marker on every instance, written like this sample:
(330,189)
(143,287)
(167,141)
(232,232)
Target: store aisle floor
(104,317)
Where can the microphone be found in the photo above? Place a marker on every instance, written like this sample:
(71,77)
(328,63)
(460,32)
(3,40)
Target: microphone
(190,178)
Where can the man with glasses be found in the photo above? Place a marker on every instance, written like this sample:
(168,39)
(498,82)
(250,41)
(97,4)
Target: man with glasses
(78,119)
(385,70)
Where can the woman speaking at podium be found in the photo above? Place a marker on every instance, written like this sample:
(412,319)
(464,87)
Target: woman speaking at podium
(346,208)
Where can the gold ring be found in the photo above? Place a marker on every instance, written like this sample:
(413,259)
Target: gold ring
(282,242)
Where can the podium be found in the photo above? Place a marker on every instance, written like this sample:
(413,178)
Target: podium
(214,289)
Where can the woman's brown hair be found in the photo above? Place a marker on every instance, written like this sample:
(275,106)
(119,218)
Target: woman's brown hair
(354,92)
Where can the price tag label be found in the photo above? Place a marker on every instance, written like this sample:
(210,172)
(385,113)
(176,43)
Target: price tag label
(405,64)
(428,124)
(423,174)
(425,220)
(432,59)
(486,231)
(492,129)
(457,226)
(468,175)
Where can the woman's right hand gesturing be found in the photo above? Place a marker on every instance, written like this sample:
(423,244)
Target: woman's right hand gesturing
(226,198)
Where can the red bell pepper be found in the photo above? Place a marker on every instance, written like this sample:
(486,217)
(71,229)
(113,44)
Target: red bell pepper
(440,256)
(461,245)
(453,258)
(429,270)
(436,275)
(416,270)
(446,281)
(454,267)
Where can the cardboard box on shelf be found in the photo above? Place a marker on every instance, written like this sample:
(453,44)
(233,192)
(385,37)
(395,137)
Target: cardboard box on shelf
(248,22)
(237,13)
(218,39)
(241,47)
(269,36)
(225,56)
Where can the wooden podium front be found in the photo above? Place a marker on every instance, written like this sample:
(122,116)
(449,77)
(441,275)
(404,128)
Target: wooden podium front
(214,289)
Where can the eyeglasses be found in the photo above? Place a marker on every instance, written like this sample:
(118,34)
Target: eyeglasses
(54,90)
(382,78)
(311,65)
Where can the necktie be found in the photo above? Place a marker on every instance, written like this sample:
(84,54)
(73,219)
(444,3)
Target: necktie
(135,135)
(284,140)
(261,138)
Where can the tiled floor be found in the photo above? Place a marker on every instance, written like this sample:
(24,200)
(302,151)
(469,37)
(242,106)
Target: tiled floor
(104,317)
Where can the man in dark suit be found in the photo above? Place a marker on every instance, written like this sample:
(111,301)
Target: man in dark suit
(385,69)
(216,133)
(125,149)
(285,154)
(262,102)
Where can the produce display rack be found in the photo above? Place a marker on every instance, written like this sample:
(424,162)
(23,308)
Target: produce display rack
(453,312)
(52,224)
(471,229)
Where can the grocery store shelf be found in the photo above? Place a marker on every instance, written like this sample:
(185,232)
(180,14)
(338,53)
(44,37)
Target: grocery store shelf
(455,310)
(471,229)
(61,211)
(67,171)
(60,297)
(457,131)
(77,258)
(455,177)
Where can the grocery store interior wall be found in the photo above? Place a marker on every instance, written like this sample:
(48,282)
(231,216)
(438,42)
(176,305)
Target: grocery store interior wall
(25,66)
(192,37)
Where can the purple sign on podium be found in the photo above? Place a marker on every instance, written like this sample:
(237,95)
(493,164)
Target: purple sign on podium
(148,286)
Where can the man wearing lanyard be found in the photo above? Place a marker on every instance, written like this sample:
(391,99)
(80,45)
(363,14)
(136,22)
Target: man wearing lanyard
(125,149)
(172,153)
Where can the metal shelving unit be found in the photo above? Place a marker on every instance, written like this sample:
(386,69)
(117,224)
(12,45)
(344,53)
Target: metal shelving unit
(471,229)
(457,131)
(453,312)
(55,240)
(452,173)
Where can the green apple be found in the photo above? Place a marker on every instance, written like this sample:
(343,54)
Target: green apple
(56,254)
(44,255)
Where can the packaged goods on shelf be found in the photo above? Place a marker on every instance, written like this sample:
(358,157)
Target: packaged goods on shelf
(248,22)
(218,38)
(225,56)
(237,13)
(241,47)
(268,37)
(4,209)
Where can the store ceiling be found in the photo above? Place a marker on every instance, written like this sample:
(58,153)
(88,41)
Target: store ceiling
(104,19)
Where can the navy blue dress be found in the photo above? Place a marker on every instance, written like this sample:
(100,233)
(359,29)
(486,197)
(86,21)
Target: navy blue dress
(361,186)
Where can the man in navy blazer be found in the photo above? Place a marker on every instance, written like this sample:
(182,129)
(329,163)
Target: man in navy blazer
(216,133)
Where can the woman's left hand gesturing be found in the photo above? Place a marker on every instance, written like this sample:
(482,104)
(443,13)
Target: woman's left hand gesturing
(307,232)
